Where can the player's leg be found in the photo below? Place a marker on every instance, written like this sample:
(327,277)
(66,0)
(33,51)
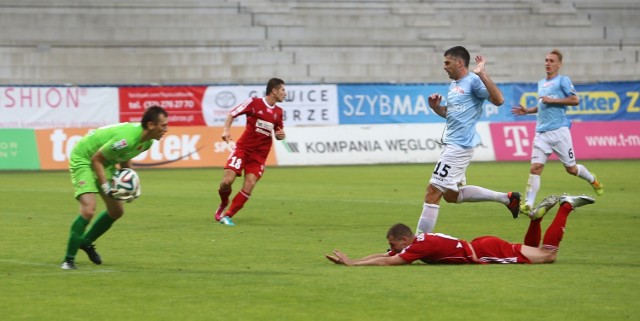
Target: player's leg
(534,232)
(539,155)
(448,172)
(250,181)
(566,154)
(555,232)
(430,209)
(232,169)
(86,188)
(253,171)
(104,221)
(472,193)
(225,190)
(87,208)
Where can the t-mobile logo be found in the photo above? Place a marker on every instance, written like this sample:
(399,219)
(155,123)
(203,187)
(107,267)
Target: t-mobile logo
(516,137)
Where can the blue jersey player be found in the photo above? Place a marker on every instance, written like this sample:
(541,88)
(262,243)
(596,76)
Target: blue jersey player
(463,109)
(555,93)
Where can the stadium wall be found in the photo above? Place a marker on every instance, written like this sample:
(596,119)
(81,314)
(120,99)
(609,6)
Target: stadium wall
(325,124)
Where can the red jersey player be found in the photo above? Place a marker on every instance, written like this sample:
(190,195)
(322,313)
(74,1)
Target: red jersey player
(264,121)
(444,249)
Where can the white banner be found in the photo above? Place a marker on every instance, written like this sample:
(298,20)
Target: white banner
(370,144)
(304,105)
(58,107)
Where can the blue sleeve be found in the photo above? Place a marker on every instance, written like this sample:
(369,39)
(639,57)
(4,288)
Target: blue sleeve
(479,89)
(567,87)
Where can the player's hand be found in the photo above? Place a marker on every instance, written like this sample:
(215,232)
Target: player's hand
(519,110)
(546,100)
(480,61)
(136,195)
(339,258)
(108,189)
(226,136)
(434,100)
(333,259)
(280,134)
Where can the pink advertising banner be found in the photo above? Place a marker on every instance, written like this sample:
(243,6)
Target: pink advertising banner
(591,140)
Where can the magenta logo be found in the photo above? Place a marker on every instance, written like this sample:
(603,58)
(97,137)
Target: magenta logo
(512,141)
(517,138)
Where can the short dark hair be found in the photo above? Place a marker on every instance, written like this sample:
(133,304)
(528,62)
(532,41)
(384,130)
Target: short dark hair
(152,114)
(273,84)
(460,53)
(398,231)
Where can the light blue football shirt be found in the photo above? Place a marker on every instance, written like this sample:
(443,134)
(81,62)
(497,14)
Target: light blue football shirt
(552,116)
(464,108)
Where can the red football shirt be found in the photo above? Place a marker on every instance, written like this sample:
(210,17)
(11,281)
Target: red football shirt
(262,120)
(436,248)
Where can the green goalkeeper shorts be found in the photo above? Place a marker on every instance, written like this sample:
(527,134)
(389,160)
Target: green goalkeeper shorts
(84,179)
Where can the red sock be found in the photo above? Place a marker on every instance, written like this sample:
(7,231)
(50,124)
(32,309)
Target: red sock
(554,233)
(534,233)
(237,203)
(224,196)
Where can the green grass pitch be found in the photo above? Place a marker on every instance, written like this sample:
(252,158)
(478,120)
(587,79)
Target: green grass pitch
(167,259)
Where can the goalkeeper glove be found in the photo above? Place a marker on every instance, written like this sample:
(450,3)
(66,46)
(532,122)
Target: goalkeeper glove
(108,189)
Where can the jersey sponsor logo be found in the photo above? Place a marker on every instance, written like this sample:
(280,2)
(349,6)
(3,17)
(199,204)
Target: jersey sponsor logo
(454,108)
(119,145)
(458,89)
(264,127)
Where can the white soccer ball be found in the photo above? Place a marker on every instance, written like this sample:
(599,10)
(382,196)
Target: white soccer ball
(126,182)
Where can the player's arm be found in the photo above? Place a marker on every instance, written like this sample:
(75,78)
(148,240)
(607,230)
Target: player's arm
(226,131)
(97,163)
(127,164)
(495,95)
(374,259)
(434,103)
(572,100)
(279,133)
(522,110)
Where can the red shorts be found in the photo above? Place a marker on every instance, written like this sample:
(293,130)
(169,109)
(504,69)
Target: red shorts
(491,249)
(241,160)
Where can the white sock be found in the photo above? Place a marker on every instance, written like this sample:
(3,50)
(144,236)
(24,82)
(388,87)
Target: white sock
(533,186)
(428,218)
(584,173)
(471,193)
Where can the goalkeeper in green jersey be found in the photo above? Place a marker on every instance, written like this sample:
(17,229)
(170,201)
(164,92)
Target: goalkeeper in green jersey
(92,163)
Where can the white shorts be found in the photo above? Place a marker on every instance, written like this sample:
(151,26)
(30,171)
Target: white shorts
(451,166)
(557,141)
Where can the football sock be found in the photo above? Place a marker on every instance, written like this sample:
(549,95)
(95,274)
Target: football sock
(75,237)
(584,173)
(555,232)
(224,196)
(534,233)
(473,193)
(533,186)
(237,203)
(102,224)
(428,218)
